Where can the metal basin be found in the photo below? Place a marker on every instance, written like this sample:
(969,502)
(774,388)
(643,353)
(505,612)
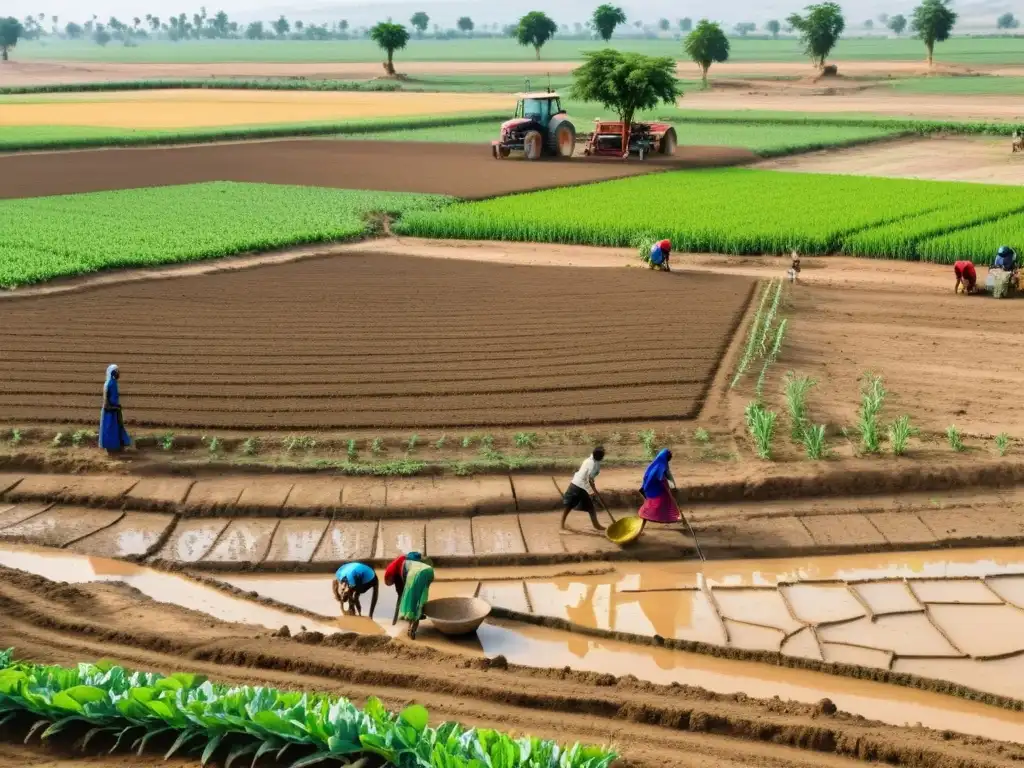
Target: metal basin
(457,615)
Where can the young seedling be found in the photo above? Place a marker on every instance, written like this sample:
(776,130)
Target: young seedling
(526,440)
(167,441)
(900,432)
(467,441)
(487,448)
(1002,443)
(58,440)
(797,388)
(351,451)
(761,424)
(377,446)
(647,438)
(701,436)
(303,443)
(250,446)
(813,438)
(753,335)
(212,444)
(872,399)
(16,436)
(413,441)
(773,355)
(442,441)
(955,438)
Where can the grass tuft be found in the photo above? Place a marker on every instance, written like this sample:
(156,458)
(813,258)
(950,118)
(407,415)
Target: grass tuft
(872,400)
(761,425)
(1002,443)
(900,432)
(955,438)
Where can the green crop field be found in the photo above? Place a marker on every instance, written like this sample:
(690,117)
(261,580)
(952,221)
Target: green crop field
(1001,50)
(765,139)
(47,237)
(737,211)
(977,243)
(982,85)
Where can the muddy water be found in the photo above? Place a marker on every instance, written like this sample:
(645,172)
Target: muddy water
(681,602)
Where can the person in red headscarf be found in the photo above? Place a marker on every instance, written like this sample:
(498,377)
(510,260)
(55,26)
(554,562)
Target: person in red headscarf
(966,276)
(659,255)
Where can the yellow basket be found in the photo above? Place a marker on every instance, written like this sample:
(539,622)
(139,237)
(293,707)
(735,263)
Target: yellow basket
(624,530)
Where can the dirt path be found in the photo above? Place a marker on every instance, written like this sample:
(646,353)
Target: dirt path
(650,725)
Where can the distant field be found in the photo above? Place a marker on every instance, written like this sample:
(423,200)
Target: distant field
(986,85)
(964,50)
(764,139)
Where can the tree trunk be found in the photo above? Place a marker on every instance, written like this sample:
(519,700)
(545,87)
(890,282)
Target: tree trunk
(704,73)
(931,49)
(537,49)
(391,65)
(4,49)
(627,123)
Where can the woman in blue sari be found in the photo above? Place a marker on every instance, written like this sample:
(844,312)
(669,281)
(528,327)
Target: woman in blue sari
(659,504)
(113,436)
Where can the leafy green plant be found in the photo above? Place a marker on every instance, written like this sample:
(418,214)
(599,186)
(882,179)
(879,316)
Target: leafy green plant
(442,441)
(647,440)
(79,436)
(701,436)
(797,389)
(16,436)
(526,440)
(351,450)
(900,432)
(413,442)
(58,440)
(871,402)
(643,243)
(1002,443)
(377,446)
(955,438)
(813,438)
(213,444)
(134,707)
(761,425)
(251,446)
(299,443)
(487,449)
(167,441)
(467,441)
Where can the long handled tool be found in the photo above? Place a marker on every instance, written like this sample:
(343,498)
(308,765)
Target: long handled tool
(605,507)
(694,535)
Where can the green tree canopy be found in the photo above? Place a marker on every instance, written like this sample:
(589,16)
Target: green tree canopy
(626,83)
(819,29)
(391,37)
(606,18)
(282,27)
(1007,21)
(663,25)
(706,44)
(686,24)
(932,22)
(535,28)
(773,27)
(420,21)
(898,23)
(10,31)
(465,24)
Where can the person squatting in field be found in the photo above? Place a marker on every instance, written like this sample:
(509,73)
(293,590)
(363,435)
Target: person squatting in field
(352,580)
(113,436)
(411,575)
(581,491)
(660,253)
(966,277)
(659,504)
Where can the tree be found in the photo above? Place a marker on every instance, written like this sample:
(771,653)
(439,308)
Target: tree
(1007,21)
(254,31)
(220,25)
(535,28)
(898,23)
(626,83)
(10,31)
(819,29)
(883,19)
(773,27)
(391,37)
(420,21)
(744,27)
(663,25)
(101,36)
(282,27)
(154,23)
(685,25)
(869,24)
(465,24)
(343,25)
(707,43)
(606,18)
(932,21)
(73,31)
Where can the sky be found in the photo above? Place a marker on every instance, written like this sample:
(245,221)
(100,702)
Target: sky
(482,11)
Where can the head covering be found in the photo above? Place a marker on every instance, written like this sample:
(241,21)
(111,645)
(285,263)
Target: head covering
(1004,250)
(665,245)
(394,570)
(655,474)
(413,556)
(110,371)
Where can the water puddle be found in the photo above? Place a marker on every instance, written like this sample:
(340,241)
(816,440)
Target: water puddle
(721,605)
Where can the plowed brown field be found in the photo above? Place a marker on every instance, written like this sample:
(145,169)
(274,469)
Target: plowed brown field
(375,341)
(649,725)
(462,170)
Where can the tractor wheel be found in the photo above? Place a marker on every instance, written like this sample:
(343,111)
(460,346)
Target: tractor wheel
(533,144)
(669,142)
(562,139)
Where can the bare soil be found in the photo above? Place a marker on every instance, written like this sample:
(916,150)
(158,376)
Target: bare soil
(943,158)
(649,724)
(457,344)
(462,170)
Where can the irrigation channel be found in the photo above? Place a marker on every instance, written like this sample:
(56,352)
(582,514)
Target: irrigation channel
(955,616)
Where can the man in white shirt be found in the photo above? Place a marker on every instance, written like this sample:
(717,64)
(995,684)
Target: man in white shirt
(582,490)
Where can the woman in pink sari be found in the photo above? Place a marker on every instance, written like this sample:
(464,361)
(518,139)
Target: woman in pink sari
(659,505)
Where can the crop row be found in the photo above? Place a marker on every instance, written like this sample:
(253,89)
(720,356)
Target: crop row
(47,237)
(109,703)
(742,211)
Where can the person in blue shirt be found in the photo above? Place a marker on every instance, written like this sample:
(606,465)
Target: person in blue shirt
(1006,259)
(660,253)
(351,581)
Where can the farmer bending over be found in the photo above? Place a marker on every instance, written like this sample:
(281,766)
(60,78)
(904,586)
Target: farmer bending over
(966,277)
(581,491)
(659,255)
(1006,259)
(351,581)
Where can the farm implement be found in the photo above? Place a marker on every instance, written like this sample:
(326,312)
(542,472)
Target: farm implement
(540,128)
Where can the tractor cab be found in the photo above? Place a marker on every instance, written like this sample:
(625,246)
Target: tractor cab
(538,107)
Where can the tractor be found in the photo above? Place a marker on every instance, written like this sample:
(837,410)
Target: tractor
(540,127)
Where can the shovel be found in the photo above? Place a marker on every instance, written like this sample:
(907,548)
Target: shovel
(605,507)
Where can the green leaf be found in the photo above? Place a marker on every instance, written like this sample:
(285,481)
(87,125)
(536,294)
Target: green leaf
(145,739)
(239,752)
(416,716)
(59,726)
(31,731)
(313,759)
(86,694)
(183,738)
(211,747)
(121,736)
(61,700)
(105,665)
(267,746)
